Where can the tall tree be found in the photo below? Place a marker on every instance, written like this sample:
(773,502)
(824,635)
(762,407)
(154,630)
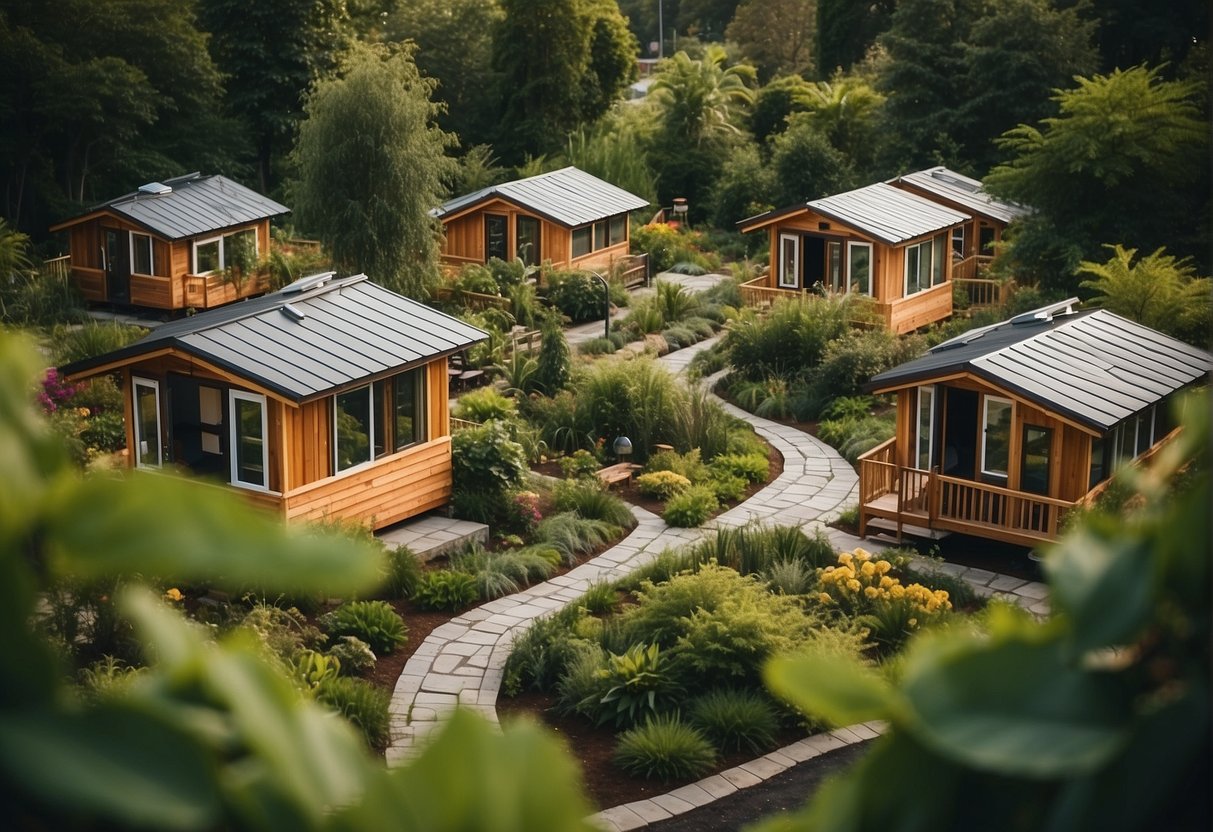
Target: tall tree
(1146,31)
(271,51)
(705,18)
(371,164)
(1124,160)
(561,65)
(806,165)
(846,29)
(81,83)
(774,102)
(777,35)
(455,46)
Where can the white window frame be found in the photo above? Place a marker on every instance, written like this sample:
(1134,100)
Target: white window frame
(958,234)
(151,253)
(929,392)
(985,425)
(370,394)
(794,239)
(136,381)
(871,271)
(194,253)
(905,281)
(222,248)
(233,446)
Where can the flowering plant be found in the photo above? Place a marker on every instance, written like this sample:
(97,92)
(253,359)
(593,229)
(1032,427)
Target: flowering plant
(525,512)
(858,584)
(55,391)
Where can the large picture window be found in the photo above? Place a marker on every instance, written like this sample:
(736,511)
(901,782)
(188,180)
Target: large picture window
(526,239)
(238,248)
(601,234)
(924,265)
(379,419)
(147,423)
(250,450)
(142,260)
(583,241)
(925,426)
(996,436)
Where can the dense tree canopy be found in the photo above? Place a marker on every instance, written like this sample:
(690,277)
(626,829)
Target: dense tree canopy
(371,164)
(846,29)
(1125,160)
(777,35)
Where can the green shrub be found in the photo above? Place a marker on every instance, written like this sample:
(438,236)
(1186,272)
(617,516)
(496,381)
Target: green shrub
(638,684)
(484,405)
(474,277)
(660,242)
(679,336)
(576,294)
(791,338)
(790,577)
(541,654)
(90,339)
(579,689)
(354,654)
(618,339)
(553,364)
(375,622)
(519,373)
(690,508)
(752,468)
(600,597)
(597,346)
(735,720)
(644,318)
(360,702)
(572,535)
(688,465)
(727,487)
(960,592)
(507,273)
(403,572)
(284,630)
(480,506)
(502,573)
(104,432)
(486,463)
(580,463)
(854,437)
(664,748)
(702,327)
(591,499)
(446,590)
(662,484)
(700,422)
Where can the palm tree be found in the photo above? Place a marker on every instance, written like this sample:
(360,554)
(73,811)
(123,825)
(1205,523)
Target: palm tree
(700,99)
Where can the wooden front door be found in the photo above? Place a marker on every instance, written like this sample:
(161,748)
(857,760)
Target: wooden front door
(116,246)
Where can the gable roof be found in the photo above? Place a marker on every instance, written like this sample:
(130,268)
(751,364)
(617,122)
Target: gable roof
(309,339)
(188,206)
(888,214)
(568,197)
(1094,367)
(958,188)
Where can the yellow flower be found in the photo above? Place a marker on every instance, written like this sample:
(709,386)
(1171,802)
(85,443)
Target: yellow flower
(846,558)
(886,582)
(853,585)
(871,591)
(863,554)
(824,597)
(883,566)
(913,622)
(173,594)
(868,569)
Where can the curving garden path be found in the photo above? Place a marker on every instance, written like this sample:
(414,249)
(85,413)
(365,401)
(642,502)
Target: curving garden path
(461,663)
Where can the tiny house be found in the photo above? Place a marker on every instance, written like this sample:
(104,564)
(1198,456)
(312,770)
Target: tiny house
(1003,429)
(567,216)
(972,244)
(192,242)
(878,241)
(326,399)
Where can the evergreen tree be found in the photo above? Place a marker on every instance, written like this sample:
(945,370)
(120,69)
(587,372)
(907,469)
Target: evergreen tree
(777,35)
(371,164)
(846,29)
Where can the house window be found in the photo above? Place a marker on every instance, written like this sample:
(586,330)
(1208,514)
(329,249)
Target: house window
(526,240)
(600,234)
(996,436)
(582,241)
(141,254)
(1098,462)
(1128,440)
(925,426)
(147,423)
(958,242)
(937,261)
(924,265)
(217,253)
(985,239)
(495,226)
(834,266)
(619,229)
(1145,431)
(250,451)
(789,261)
(859,267)
(390,411)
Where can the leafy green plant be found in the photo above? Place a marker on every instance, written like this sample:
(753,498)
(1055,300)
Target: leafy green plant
(572,535)
(750,467)
(502,573)
(88,340)
(691,507)
(484,405)
(662,484)
(375,622)
(599,597)
(576,294)
(446,590)
(540,655)
(486,461)
(354,654)
(735,720)
(664,748)
(580,463)
(790,577)
(688,466)
(638,684)
(402,572)
(591,499)
(553,365)
(597,346)
(313,668)
(360,702)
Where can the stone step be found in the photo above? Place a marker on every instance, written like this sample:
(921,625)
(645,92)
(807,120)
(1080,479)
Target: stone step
(887,530)
(433,535)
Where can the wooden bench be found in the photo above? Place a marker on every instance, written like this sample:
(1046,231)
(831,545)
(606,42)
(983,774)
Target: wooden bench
(619,472)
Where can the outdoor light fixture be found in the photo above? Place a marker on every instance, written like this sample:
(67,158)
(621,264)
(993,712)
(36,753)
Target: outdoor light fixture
(622,446)
(680,206)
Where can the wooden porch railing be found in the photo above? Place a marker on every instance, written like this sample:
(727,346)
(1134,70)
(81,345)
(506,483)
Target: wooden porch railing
(473,300)
(462,424)
(58,267)
(877,472)
(632,270)
(760,294)
(972,267)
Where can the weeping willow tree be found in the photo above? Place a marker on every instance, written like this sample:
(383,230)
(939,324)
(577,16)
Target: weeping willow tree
(372,164)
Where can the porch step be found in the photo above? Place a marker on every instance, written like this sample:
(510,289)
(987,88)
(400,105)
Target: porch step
(888,530)
(433,535)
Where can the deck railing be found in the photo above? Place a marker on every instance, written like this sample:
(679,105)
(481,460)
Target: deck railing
(58,267)
(760,294)
(972,267)
(632,270)
(877,472)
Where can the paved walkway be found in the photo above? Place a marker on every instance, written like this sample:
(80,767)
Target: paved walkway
(461,663)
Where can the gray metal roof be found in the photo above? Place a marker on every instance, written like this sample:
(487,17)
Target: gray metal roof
(888,214)
(958,188)
(1094,367)
(193,205)
(568,197)
(311,339)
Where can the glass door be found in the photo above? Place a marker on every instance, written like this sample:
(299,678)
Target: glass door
(527,240)
(116,247)
(495,232)
(1037,454)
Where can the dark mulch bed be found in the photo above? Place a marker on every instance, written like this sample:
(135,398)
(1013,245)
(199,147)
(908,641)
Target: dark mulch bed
(606,784)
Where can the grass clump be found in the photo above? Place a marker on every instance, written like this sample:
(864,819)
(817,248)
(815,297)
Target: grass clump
(664,748)
(360,702)
(447,590)
(691,507)
(735,720)
(571,534)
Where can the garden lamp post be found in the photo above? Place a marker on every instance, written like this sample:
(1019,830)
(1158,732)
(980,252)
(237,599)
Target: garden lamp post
(622,447)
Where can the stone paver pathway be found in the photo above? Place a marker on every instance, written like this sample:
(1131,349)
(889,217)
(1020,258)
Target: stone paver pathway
(462,662)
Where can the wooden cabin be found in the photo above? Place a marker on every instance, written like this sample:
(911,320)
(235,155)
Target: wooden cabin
(973,243)
(878,241)
(567,216)
(326,399)
(192,242)
(1004,429)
